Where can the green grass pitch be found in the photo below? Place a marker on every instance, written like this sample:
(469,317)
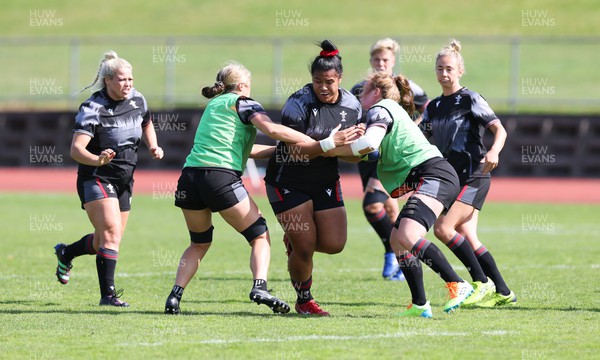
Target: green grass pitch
(549,255)
(554,67)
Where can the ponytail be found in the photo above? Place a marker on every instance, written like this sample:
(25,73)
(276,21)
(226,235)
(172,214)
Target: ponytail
(227,79)
(108,66)
(407,99)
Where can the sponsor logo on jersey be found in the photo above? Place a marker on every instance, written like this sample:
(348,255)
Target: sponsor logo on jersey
(438,103)
(315,111)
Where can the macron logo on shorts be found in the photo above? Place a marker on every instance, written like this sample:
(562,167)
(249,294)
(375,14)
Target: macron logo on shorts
(328,191)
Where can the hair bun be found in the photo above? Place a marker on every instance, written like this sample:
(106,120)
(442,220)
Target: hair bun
(455,44)
(110,55)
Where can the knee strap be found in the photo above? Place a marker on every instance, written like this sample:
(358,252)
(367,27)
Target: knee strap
(374,198)
(204,237)
(253,231)
(416,209)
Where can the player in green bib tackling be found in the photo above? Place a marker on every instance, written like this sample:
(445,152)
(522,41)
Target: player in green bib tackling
(211,181)
(408,162)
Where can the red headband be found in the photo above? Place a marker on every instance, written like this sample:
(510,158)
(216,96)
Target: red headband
(329,53)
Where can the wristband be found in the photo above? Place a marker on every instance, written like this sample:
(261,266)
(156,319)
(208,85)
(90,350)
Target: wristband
(327,144)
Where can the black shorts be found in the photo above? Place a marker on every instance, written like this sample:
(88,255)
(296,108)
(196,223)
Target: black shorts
(90,189)
(286,198)
(435,178)
(216,189)
(367,170)
(475,191)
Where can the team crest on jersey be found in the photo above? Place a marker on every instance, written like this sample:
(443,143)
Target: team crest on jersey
(110,188)
(343,113)
(457,98)
(132,103)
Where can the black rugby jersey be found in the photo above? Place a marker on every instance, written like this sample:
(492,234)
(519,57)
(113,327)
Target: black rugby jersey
(305,113)
(455,124)
(116,125)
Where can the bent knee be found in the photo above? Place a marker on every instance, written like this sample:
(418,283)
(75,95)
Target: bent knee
(373,208)
(332,247)
(443,232)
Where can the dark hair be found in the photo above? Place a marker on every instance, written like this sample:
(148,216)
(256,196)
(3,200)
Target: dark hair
(328,59)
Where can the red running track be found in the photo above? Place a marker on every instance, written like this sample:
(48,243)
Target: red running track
(527,190)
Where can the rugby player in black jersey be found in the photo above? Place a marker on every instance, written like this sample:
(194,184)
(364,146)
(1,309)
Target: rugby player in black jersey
(108,129)
(455,122)
(303,187)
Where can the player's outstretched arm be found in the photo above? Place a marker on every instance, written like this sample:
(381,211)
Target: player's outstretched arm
(277,131)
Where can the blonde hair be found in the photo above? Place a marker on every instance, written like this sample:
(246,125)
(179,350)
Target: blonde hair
(227,79)
(385,44)
(110,63)
(396,88)
(452,49)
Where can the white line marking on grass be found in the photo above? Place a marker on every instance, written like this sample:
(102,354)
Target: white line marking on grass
(329,338)
(278,273)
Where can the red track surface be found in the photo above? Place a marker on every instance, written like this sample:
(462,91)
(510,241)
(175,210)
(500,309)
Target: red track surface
(550,190)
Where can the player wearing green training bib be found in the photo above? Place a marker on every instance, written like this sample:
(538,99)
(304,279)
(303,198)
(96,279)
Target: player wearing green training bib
(402,149)
(225,137)
(211,182)
(407,162)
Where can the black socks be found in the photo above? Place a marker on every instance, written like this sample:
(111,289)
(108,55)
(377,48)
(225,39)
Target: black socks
(106,263)
(413,273)
(488,264)
(433,257)
(303,290)
(463,251)
(382,225)
(84,246)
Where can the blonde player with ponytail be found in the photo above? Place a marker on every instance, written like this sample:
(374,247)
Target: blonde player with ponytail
(108,129)
(455,122)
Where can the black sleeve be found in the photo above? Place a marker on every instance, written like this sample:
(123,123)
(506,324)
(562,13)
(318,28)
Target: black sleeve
(248,108)
(379,116)
(293,114)
(87,119)
(357,89)
(146,114)
(420,96)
